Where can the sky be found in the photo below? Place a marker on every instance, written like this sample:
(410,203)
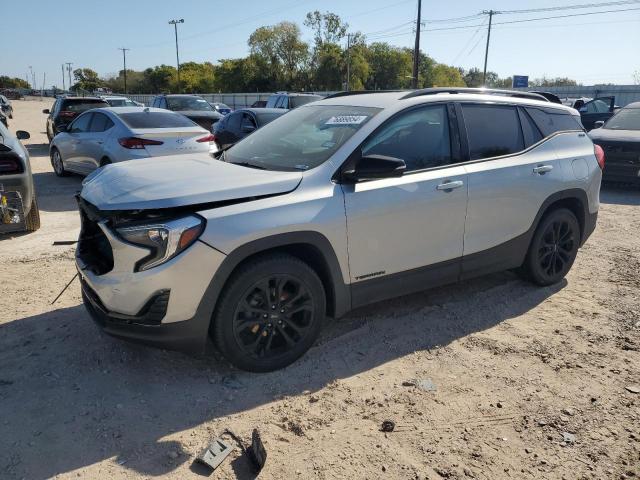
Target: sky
(591,49)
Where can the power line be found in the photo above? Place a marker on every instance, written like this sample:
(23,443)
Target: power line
(468,43)
(572,7)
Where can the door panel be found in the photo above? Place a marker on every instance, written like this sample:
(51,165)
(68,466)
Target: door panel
(400,224)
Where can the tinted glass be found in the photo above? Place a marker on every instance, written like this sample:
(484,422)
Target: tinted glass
(302,139)
(81,124)
(188,103)
(625,119)
(492,130)
(264,118)
(100,123)
(549,123)
(282,100)
(247,121)
(597,106)
(295,102)
(531,132)
(271,103)
(233,123)
(420,137)
(155,120)
(81,105)
(116,102)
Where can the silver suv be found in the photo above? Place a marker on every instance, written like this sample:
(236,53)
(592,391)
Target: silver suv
(340,203)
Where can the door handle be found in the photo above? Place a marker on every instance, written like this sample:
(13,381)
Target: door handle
(542,169)
(448,186)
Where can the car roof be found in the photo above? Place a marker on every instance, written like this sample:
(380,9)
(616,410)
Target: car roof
(120,110)
(392,98)
(258,111)
(298,94)
(114,97)
(179,95)
(632,105)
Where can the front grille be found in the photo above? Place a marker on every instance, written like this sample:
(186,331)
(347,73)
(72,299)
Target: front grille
(94,248)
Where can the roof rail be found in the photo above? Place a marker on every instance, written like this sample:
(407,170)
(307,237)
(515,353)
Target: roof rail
(358,92)
(482,91)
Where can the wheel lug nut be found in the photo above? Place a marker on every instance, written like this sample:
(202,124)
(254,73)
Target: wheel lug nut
(282,310)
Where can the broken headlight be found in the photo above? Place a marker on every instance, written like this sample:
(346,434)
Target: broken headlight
(164,240)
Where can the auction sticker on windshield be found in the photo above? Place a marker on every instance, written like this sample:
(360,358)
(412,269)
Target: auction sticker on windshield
(346,120)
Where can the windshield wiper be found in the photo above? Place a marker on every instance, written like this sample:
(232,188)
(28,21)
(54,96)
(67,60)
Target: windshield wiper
(249,165)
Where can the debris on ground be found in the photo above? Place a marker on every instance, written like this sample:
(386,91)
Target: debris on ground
(568,437)
(388,426)
(215,453)
(633,388)
(425,384)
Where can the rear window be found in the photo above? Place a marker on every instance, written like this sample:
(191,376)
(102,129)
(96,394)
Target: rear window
(550,122)
(303,100)
(155,120)
(492,130)
(81,105)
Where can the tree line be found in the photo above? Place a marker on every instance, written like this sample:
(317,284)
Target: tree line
(280,60)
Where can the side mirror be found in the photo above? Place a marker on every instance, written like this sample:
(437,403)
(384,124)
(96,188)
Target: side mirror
(598,124)
(46,111)
(371,167)
(22,135)
(248,129)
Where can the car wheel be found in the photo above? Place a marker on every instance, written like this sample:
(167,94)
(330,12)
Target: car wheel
(32,221)
(270,313)
(553,248)
(57,163)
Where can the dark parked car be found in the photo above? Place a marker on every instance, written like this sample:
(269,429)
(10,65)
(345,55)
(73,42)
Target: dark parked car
(259,104)
(619,137)
(592,111)
(65,109)
(243,122)
(5,106)
(191,106)
(3,119)
(290,100)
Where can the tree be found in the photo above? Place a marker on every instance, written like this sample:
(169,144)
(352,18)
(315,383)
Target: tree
(389,67)
(327,27)
(86,79)
(553,82)
(281,48)
(446,76)
(161,78)
(330,65)
(636,77)
(13,82)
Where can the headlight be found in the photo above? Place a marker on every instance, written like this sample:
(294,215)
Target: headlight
(164,240)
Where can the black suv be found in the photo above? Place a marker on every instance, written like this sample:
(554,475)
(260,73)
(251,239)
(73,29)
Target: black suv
(191,106)
(289,100)
(237,125)
(66,109)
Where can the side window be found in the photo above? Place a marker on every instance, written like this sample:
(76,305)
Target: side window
(550,123)
(81,124)
(233,123)
(530,131)
(163,103)
(420,137)
(154,104)
(492,130)
(273,99)
(282,99)
(596,106)
(100,123)
(248,123)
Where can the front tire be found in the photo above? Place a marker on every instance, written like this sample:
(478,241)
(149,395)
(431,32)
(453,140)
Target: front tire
(57,163)
(270,313)
(553,248)
(32,221)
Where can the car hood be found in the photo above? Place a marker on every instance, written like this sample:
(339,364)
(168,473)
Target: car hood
(180,180)
(201,114)
(607,134)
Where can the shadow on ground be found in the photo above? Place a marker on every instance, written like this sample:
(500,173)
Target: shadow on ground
(56,194)
(72,396)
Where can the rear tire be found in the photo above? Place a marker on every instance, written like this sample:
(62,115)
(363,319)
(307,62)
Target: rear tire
(57,163)
(269,314)
(32,221)
(553,248)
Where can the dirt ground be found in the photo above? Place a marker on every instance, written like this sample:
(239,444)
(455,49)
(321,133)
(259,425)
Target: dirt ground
(490,379)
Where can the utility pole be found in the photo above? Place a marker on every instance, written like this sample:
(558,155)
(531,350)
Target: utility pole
(175,26)
(416,49)
(69,72)
(33,78)
(348,62)
(491,13)
(44,79)
(124,58)
(63,87)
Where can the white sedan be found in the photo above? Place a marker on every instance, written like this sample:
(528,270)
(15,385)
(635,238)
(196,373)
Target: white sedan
(106,135)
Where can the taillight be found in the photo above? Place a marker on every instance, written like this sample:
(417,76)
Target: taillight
(134,143)
(208,138)
(10,165)
(597,149)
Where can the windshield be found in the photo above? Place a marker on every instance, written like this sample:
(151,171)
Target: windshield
(625,119)
(301,139)
(82,105)
(188,103)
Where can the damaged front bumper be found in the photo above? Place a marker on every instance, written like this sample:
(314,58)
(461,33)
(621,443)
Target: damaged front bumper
(160,306)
